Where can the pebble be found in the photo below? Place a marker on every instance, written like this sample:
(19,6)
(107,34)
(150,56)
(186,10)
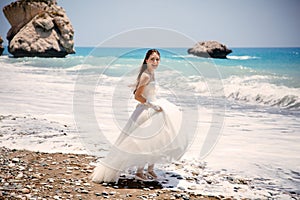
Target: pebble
(177,195)
(77,183)
(87,184)
(19,176)
(25,191)
(153,195)
(128,195)
(11,165)
(192,187)
(50,180)
(56,197)
(49,186)
(15,160)
(84,191)
(97,194)
(28,186)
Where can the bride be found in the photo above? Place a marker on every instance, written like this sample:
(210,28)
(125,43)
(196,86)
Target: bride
(151,135)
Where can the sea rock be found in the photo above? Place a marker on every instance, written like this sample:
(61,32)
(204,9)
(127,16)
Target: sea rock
(38,28)
(1,47)
(209,49)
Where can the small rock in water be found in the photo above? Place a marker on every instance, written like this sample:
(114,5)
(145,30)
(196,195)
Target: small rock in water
(181,188)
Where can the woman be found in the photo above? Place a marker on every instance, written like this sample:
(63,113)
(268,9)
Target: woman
(152,134)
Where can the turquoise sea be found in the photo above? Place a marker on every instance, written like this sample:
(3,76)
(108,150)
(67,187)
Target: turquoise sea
(262,77)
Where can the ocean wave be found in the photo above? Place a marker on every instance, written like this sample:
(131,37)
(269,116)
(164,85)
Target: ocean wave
(256,89)
(261,90)
(242,57)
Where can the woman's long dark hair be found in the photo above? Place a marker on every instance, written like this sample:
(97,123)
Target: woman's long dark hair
(144,65)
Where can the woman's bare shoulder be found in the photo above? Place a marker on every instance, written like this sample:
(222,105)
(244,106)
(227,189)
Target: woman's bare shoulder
(145,79)
(145,75)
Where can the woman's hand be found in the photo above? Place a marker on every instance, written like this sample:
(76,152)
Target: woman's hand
(157,108)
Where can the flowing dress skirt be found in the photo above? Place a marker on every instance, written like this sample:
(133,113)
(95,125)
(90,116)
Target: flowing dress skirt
(148,137)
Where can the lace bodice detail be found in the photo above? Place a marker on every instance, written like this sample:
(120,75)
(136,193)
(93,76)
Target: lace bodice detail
(150,91)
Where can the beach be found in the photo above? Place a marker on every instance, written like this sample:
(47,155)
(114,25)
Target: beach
(254,119)
(36,175)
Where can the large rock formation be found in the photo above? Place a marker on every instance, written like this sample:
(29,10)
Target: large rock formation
(211,49)
(38,28)
(1,47)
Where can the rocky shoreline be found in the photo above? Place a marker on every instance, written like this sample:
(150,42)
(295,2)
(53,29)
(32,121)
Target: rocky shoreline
(36,175)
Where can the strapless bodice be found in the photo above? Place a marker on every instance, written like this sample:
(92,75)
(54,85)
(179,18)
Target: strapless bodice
(150,91)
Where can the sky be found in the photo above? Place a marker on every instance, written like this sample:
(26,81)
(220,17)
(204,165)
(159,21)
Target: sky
(236,23)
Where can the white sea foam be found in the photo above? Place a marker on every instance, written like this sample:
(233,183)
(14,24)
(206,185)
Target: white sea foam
(184,56)
(242,57)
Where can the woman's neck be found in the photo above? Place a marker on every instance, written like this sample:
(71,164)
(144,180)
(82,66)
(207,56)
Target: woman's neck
(149,72)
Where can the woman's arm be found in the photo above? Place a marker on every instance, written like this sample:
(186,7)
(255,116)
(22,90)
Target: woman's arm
(144,80)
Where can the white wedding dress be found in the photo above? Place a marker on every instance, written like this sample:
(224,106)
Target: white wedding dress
(149,137)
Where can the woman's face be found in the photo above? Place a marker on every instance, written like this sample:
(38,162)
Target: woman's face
(153,61)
